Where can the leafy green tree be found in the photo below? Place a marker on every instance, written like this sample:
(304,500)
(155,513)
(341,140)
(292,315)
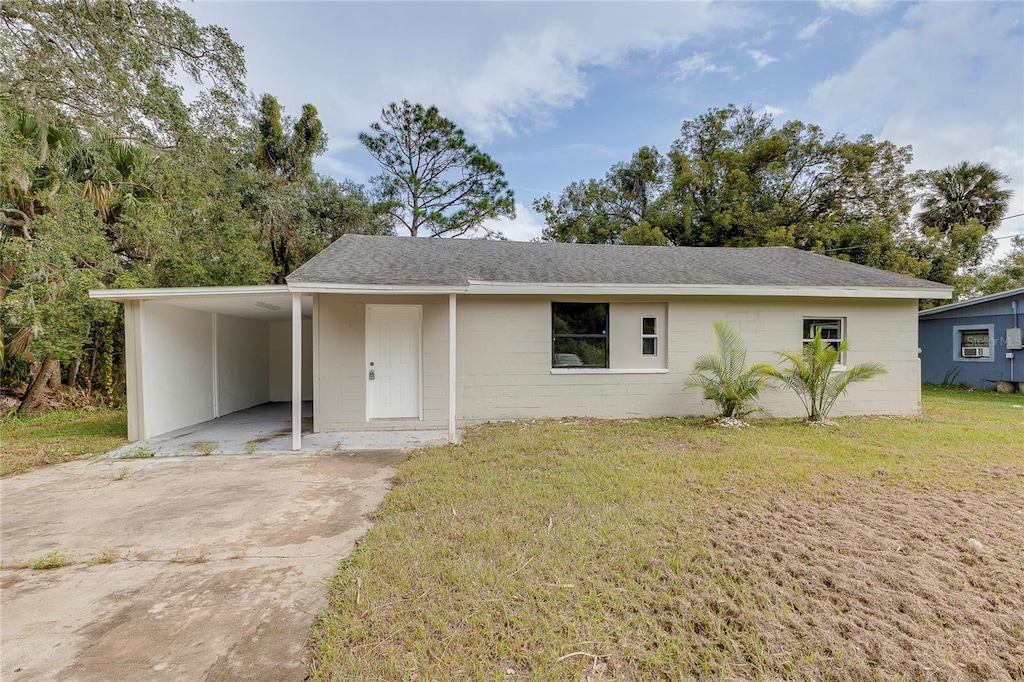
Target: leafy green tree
(958,194)
(113,65)
(62,222)
(93,211)
(724,376)
(283,160)
(620,208)
(738,179)
(45,309)
(337,208)
(961,205)
(811,374)
(1006,274)
(433,181)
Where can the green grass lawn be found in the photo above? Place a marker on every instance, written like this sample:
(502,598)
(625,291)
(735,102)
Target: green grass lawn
(674,549)
(59,436)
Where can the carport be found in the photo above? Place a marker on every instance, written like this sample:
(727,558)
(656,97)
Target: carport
(197,354)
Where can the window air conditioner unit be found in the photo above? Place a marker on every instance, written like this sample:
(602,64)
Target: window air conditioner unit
(976,352)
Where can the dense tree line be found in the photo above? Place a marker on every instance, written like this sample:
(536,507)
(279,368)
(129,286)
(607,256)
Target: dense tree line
(738,178)
(108,178)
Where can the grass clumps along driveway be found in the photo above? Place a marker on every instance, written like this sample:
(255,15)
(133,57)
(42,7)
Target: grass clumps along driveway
(59,436)
(669,549)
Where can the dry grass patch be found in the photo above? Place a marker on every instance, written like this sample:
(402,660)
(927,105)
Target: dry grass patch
(57,437)
(673,549)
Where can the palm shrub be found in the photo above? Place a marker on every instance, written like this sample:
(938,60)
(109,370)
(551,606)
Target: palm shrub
(811,374)
(725,377)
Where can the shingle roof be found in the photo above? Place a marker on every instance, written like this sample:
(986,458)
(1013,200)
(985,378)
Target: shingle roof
(407,261)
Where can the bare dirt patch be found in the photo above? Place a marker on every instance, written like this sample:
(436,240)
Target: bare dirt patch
(879,584)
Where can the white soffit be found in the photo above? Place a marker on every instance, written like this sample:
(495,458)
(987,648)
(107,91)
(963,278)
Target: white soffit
(268,303)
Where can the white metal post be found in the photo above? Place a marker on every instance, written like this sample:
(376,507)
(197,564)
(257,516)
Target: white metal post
(216,369)
(296,371)
(451,368)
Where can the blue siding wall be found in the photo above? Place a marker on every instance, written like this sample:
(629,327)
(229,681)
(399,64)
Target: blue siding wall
(940,349)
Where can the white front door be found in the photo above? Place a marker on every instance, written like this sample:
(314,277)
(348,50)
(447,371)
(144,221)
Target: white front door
(393,361)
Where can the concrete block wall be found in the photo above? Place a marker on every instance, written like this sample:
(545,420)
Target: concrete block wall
(504,356)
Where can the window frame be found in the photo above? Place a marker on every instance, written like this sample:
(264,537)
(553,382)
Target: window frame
(841,362)
(605,336)
(644,336)
(958,334)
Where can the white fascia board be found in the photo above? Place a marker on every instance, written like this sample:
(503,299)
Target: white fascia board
(523,288)
(329,288)
(185,292)
(481,287)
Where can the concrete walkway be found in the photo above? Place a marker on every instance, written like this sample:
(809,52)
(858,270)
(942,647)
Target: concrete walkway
(268,428)
(218,563)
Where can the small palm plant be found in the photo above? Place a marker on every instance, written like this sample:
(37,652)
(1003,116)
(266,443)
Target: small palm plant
(725,377)
(811,374)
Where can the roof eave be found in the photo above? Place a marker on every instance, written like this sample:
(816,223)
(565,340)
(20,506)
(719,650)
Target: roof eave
(599,288)
(179,292)
(974,301)
(353,288)
(526,288)
(532,288)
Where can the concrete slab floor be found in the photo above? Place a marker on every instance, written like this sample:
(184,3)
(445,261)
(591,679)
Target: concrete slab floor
(220,567)
(268,428)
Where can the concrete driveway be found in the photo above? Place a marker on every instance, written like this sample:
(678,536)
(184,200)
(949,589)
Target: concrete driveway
(221,565)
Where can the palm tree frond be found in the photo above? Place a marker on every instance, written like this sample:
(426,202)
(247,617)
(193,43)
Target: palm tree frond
(724,376)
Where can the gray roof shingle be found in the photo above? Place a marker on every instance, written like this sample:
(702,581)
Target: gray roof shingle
(409,261)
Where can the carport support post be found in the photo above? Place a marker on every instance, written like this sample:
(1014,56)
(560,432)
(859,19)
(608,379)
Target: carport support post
(451,368)
(296,371)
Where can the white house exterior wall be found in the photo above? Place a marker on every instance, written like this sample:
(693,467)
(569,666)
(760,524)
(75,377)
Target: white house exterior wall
(342,366)
(504,356)
(242,360)
(882,330)
(177,366)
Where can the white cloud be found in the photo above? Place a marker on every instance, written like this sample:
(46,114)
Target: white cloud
(864,8)
(949,81)
(697,65)
(811,30)
(531,74)
(762,59)
(772,111)
(493,67)
(526,226)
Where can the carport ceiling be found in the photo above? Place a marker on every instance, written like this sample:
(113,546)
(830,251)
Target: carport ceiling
(265,306)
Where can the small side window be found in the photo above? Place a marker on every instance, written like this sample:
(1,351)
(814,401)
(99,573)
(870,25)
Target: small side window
(649,337)
(832,332)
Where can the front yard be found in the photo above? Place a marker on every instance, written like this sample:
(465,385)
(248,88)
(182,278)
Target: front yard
(58,436)
(670,549)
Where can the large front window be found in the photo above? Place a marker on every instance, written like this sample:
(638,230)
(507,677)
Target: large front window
(579,335)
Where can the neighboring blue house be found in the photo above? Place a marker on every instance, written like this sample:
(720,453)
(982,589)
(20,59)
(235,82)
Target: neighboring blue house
(973,342)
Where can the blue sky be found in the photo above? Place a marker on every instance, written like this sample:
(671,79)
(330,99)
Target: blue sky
(557,92)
